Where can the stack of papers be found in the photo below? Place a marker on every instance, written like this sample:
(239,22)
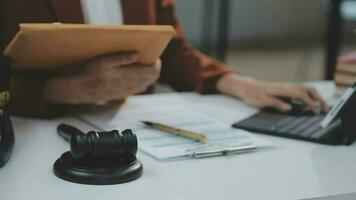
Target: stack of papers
(164,146)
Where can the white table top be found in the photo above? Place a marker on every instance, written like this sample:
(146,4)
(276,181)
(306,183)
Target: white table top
(292,170)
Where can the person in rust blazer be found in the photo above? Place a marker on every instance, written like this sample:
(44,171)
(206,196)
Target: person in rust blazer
(48,93)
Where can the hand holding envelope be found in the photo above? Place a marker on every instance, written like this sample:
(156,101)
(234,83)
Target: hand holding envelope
(85,64)
(103,79)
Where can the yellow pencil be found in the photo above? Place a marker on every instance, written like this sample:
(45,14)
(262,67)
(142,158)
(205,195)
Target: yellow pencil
(179,132)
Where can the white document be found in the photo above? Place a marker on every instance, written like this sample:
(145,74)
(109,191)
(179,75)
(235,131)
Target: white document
(164,146)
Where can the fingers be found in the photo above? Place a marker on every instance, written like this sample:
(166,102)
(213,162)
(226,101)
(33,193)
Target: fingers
(119,59)
(115,60)
(103,85)
(80,90)
(316,96)
(306,95)
(308,100)
(141,72)
(158,64)
(278,104)
(104,64)
(136,76)
(312,98)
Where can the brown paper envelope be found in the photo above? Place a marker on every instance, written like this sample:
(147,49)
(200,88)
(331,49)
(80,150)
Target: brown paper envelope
(43,46)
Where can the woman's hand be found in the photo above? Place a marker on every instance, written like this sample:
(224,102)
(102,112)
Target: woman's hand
(103,79)
(263,94)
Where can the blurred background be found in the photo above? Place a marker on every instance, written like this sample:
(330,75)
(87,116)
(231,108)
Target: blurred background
(270,40)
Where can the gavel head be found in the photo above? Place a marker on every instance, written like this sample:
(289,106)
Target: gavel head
(98,158)
(103,145)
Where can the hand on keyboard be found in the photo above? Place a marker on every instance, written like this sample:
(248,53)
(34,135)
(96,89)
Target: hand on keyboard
(262,94)
(298,108)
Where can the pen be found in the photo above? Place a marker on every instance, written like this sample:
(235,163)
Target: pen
(176,131)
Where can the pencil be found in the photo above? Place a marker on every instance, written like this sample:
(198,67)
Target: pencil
(179,132)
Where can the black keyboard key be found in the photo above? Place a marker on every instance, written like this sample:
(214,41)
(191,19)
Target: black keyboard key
(311,130)
(309,122)
(332,127)
(257,123)
(319,133)
(288,127)
(277,124)
(283,122)
(260,121)
(273,128)
(303,127)
(270,116)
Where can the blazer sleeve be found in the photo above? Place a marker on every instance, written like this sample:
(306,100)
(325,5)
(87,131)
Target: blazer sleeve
(183,67)
(26,87)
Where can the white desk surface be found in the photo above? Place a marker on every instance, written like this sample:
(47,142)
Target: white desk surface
(293,170)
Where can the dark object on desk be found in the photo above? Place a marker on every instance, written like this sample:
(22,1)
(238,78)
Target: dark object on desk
(67,132)
(348,119)
(6,130)
(297,127)
(325,129)
(102,145)
(98,158)
(350,196)
(6,139)
(298,108)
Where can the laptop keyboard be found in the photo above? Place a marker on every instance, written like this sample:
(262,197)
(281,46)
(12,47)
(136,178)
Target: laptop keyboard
(303,126)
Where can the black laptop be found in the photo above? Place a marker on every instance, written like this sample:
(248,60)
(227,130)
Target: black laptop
(323,128)
(350,196)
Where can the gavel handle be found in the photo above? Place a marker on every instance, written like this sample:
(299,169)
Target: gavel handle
(67,132)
